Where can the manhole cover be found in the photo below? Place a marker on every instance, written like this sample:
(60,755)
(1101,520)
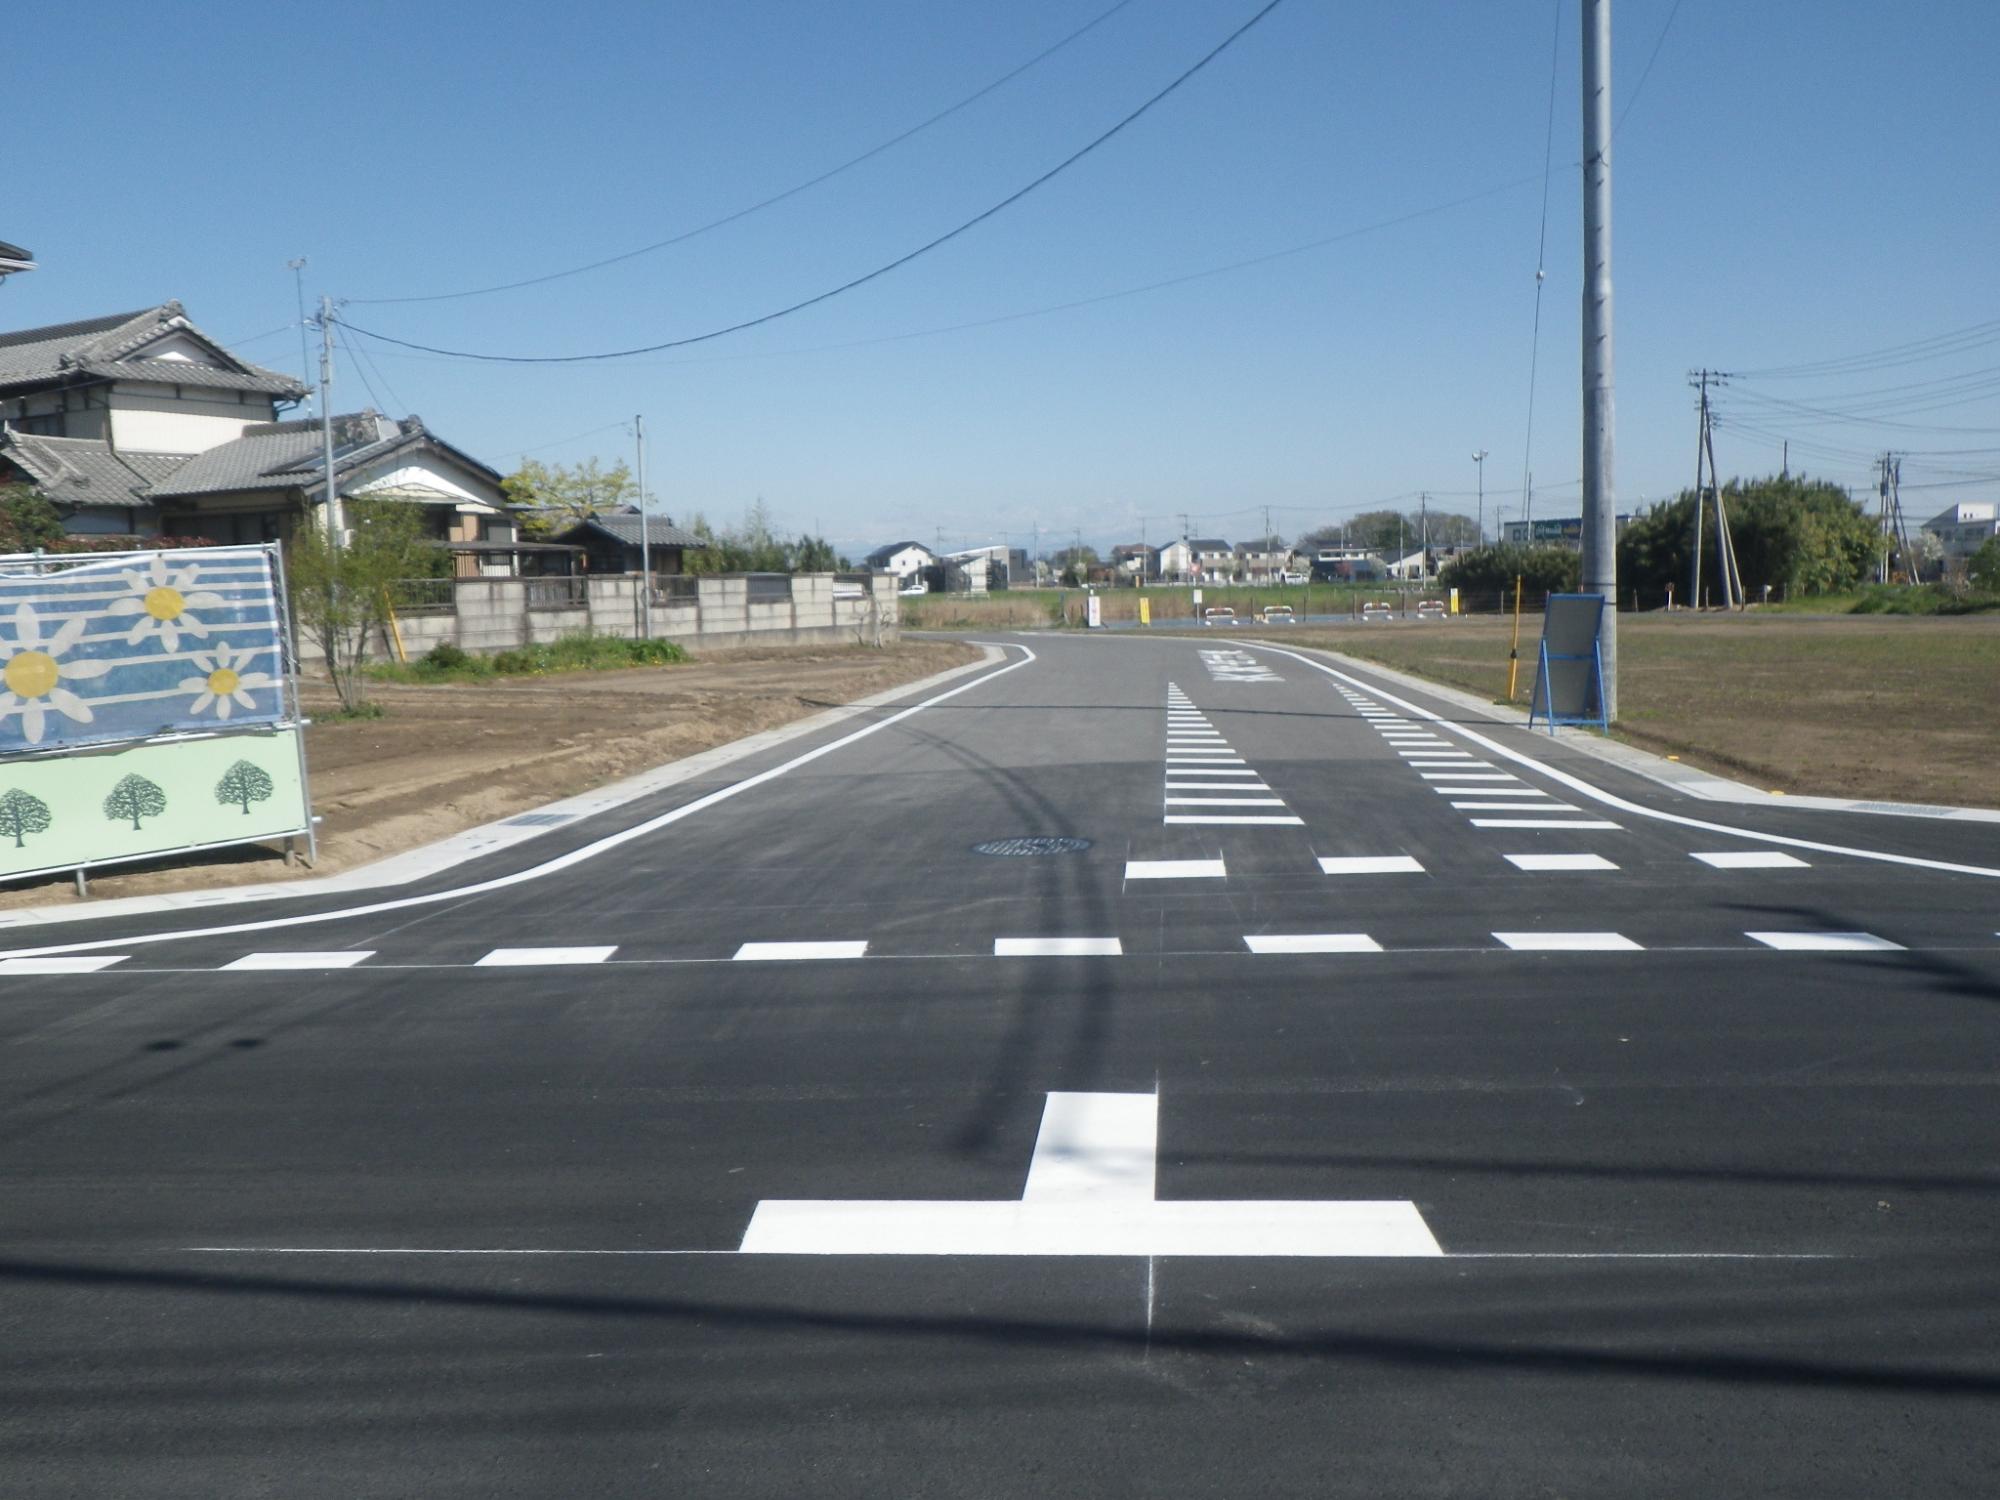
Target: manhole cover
(1027,846)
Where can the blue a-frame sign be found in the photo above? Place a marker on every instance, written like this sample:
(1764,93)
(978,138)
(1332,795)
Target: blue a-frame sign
(1569,685)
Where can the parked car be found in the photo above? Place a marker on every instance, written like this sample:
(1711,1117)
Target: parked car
(1218,614)
(1294,578)
(1279,614)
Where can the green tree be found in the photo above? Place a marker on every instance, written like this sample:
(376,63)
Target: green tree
(27,520)
(1982,569)
(243,784)
(568,493)
(813,554)
(341,592)
(1800,535)
(135,797)
(1492,570)
(22,814)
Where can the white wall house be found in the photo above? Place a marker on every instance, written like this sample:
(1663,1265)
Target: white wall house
(139,423)
(1966,527)
(904,559)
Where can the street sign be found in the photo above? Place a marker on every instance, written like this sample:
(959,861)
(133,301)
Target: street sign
(1569,685)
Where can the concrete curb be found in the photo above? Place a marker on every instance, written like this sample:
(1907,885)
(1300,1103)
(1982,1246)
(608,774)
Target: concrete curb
(1704,786)
(517,828)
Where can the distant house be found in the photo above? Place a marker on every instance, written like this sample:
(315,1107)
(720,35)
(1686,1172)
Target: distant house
(612,543)
(140,424)
(1257,563)
(994,567)
(904,559)
(1212,558)
(1965,527)
(13,258)
(1136,560)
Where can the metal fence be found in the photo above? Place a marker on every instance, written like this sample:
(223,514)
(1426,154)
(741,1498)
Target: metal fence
(676,588)
(419,595)
(557,593)
(767,588)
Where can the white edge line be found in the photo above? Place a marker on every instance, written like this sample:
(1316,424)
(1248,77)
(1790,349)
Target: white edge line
(547,867)
(1611,799)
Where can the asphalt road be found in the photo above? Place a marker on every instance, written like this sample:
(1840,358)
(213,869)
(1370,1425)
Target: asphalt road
(1464,1131)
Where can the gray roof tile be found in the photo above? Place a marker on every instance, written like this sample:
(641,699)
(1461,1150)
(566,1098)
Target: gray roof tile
(99,346)
(76,472)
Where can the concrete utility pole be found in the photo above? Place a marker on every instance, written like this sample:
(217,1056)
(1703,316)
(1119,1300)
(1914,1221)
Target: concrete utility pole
(336,523)
(1479,458)
(645,535)
(1600,509)
(298,270)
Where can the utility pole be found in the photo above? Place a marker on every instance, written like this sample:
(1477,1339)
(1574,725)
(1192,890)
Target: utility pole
(645,534)
(298,270)
(1728,577)
(1896,535)
(1424,532)
(1600,509)
(336,523)
(1479,458)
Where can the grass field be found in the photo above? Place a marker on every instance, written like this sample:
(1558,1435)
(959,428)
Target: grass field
(1890,707)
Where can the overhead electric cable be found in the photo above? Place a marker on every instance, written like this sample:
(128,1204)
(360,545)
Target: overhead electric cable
(1937,346)
(775,199)
(1647,71)
(902,260)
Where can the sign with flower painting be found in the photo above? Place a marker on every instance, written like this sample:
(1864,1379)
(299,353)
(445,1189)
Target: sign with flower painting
(146,707)
(126,646)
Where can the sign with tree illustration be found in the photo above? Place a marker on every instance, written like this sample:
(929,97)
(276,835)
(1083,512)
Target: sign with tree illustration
(66,812)
(147,706)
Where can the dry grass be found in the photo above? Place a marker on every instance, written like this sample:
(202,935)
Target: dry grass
(1872,706)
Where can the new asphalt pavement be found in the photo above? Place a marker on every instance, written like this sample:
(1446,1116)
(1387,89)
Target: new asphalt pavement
(1141,1066)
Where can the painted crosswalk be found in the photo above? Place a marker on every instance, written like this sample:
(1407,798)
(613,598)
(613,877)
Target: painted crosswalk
(1207,782)
(1581,940)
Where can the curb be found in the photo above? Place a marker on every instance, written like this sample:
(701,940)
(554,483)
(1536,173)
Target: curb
(514,829)
(1704,786)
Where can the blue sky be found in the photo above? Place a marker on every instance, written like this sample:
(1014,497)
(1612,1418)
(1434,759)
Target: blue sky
(1797,179)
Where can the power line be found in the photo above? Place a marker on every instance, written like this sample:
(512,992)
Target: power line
(774,199)
(1917,351)
(1647,71)
(880,271)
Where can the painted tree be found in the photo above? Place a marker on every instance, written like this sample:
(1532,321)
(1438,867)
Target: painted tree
(22,814)
(243,784)
(135,797)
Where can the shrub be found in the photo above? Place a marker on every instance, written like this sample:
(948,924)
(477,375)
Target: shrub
(446,656)
(517,663)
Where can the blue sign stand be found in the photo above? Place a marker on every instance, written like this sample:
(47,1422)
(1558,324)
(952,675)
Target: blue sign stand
(1569,685)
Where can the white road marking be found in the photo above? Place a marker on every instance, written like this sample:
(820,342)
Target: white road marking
(1203,768)
(345,958)
(1541,823)
(1369,864)
(550,866)
(1089,1192)
(1174,869)
(1538,806)
(1311,942)
(1558,861)
(1225,802)
(1460,787)
(1454,774)
(506,958)
(759,952)
(1286,820)
(1569,942)
(1752,859)
(1057,947)
(83,964)
(1217,786)
(1825,942)
(1597,794)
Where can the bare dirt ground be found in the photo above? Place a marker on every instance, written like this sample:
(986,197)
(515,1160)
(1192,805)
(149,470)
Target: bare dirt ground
(1897,708)
(450,756)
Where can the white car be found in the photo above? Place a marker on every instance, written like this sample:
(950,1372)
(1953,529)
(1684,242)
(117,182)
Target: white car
(1220,614)
(1279,614)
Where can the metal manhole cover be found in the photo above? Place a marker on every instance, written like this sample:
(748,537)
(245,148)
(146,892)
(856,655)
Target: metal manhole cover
(538,820)
(1015,848)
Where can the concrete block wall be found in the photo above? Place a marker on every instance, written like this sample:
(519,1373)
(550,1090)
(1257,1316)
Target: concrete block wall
(493,614)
